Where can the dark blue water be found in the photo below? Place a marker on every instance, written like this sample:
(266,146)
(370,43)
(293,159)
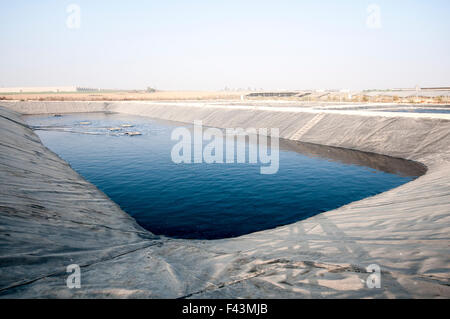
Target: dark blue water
(211,201)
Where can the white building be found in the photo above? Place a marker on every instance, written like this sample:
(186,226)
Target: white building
(46,89)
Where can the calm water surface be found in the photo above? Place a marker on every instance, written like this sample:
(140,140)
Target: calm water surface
(212,201)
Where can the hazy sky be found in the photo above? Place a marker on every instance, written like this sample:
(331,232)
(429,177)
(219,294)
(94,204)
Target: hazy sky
(212,44)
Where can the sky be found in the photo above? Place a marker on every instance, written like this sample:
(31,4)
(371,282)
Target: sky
(210,45)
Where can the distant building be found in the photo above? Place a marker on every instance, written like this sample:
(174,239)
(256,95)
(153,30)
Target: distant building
(47,89)
(86,89)
(446,88)
(272,94)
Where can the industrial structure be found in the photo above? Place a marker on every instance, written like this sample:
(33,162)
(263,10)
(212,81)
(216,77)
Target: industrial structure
(46,89)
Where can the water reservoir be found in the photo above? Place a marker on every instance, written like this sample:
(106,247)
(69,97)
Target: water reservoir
(129,159)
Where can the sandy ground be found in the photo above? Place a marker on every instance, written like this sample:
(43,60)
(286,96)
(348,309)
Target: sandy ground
(434,97)
(51,217)
(127,96)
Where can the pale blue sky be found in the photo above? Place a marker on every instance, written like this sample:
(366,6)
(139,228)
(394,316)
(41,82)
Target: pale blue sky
(210,44)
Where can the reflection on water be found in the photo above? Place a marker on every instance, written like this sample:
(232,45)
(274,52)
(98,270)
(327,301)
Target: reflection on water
(211,201)
(379,162)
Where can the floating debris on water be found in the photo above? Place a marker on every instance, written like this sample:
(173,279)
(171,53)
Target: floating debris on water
(88,127)
(133,133)
(81,132)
